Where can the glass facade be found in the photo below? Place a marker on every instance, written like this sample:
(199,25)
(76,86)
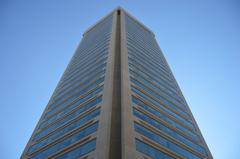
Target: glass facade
(151,151)
(160,109)
(117,99)
(76,102)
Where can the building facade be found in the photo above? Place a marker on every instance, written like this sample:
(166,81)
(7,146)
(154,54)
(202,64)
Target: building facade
(117,99)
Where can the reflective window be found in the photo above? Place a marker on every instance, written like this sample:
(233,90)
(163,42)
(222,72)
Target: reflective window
(152,77)
(156,103)
(75,96)
(165,118)
(79,151)
(66,142)
(167,130)
(156,95)
(159,88)
(75,100)
(151,151)
(77,86)
(71,107)
(163,141)
(67,118)
(54,136)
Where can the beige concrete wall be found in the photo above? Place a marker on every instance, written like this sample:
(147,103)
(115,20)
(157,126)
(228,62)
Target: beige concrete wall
(128,139)
(104,133)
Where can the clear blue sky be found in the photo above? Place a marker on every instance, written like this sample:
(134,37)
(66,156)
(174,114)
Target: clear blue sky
(200,39)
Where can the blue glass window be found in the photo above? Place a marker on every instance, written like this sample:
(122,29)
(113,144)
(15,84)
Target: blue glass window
(80,83)
(151,151)
(64,130)
(152,77)
(159,88)
(164,117)
(66,142)
(70,107)
(67,118)
(79,151)
(163,141)
(75,96)
(156,95)
(167,130)
(156,103)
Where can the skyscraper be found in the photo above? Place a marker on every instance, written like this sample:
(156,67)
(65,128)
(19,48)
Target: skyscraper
(117,99)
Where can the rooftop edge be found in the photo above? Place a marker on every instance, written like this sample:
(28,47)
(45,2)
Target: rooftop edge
(115,10)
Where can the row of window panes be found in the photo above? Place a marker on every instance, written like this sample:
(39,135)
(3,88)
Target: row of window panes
(72,106)
(135,33)
(164,97)
(168,131)
(140,37)
(148,75)
(153,51)
(144,41)
(81,84)
(66,142)
(67,118)
(144,58)
(147,89)
(93,64)
(173,98)
(87,45)
(81,61)
(146,53)
(81,54)
(79,78)
(82,72)
(93,35)
(165,142)
(98,31)
(91,76)
(142,54)
(151,151)
(92,49)
(165,118)
(156,84)
(73,97)
(83,65)
(95,44)
(136,28)
(139,32)
(148,38)
(154,69)
(80,150)
(99,28)
(151,73)
(156,103)
(54,136)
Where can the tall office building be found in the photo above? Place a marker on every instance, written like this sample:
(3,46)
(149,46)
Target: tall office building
(117,99)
